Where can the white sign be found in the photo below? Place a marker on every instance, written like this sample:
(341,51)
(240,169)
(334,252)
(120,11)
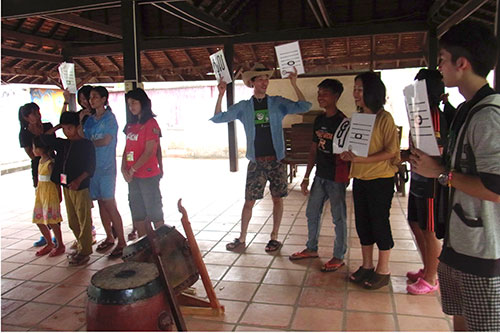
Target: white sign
(220,67)
(67,73)
(289,57)
(354,134)
(419,117)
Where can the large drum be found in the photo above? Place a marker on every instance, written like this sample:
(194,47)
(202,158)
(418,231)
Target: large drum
(175,255)
(128,297)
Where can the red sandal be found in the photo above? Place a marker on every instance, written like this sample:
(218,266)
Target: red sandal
(45,250)
(332,266)
(304,254)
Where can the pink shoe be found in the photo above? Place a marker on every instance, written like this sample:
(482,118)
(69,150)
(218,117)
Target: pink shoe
(414,276)
(422,287)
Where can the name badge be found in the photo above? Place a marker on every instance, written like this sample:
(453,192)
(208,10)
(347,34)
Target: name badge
(130,156)
(64,179)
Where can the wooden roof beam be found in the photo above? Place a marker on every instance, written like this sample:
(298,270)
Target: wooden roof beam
(316,14)
(195,16)
(32,55)
(113,62)
(79,22)
(324,13)
(461,14)
(33,39)
(16,9)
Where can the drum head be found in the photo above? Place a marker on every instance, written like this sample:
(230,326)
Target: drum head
(128,275)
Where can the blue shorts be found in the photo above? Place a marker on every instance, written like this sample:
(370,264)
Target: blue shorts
(102,187)
(144,199)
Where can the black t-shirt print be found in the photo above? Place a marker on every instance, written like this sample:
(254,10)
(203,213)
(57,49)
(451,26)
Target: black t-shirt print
(324,130)
(263,138)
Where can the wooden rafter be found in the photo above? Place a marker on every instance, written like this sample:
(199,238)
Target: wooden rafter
(79,22)
(461,14)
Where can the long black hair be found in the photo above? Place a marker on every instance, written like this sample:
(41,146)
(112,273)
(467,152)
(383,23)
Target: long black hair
(146,112)
(25,111)
(373,90)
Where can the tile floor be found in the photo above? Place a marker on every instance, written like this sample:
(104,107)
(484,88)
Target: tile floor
(260,291)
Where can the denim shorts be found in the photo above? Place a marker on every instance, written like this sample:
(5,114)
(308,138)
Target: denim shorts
(102,187)
(144,199)
(258,173)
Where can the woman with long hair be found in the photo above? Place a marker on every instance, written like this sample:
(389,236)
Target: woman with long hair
(101,128)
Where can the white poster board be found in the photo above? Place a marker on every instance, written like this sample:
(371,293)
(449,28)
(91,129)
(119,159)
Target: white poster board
(289,57)
(68,79)
(419,117)
(220,67)
(354,134)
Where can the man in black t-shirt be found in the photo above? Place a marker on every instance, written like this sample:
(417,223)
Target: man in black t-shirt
(330,181)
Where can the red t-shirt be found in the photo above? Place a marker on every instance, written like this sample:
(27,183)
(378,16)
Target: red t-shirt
(137,136)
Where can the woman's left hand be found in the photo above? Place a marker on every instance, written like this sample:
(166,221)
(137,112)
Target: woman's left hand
(349,156)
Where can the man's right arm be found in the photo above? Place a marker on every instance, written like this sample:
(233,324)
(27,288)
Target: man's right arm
(222,86)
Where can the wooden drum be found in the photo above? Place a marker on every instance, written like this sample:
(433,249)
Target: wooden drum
(128,297)
(176,256)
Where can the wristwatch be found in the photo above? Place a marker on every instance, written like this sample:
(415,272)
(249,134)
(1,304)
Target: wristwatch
(444,178)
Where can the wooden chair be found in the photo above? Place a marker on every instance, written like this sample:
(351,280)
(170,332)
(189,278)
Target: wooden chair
(298,141)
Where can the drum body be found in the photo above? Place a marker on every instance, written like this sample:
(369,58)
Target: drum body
(175,255)
(128,297)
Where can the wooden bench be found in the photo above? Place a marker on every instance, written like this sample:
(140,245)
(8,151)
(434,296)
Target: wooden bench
(298,140)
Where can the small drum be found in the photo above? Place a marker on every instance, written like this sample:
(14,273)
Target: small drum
(175,255)
(128,297)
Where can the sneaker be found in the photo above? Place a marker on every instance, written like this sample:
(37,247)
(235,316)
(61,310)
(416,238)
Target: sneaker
(422,287)
(304,254)
(40,242)
(414,276)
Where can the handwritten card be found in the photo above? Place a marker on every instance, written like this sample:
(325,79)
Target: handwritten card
(289,57)
(419,117)
(354,134)
(220,67)
(68,79)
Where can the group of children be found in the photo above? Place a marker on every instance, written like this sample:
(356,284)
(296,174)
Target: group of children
(84,164)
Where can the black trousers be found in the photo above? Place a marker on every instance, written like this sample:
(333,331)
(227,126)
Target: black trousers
(372,204)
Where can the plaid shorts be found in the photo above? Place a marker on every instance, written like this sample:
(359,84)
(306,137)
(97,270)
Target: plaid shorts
(476,298)
(259,172)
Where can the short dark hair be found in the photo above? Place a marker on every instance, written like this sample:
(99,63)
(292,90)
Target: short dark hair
(473,41)
(25,111)
(335,86)
(69,118)
(434,83)
(146,110)
(373,90)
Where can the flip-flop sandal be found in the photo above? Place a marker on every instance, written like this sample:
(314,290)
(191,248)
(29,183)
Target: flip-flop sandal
(236,243)
(45,250)
(78,260)
(304,254)
(104,245)
(116,253)
(330,266)
(361,275)
(57,251)
(273,245)
(377,281)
